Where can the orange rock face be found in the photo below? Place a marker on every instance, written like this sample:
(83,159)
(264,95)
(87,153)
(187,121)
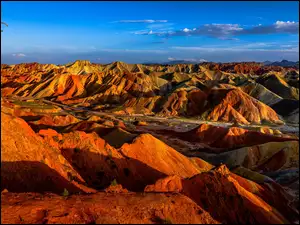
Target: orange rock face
(91,143)
(57,120)
(102,208)
(225,138)
(215,189)
(25,156)
(180,90)
(159,156)
(240,107)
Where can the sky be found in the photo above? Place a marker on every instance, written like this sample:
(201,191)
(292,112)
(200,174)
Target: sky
(149,32)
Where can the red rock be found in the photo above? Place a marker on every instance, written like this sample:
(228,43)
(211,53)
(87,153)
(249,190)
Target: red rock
(102,208)
(220,137)
(48,132)
(159,156)
(26,157)
(218,188)
(116,189)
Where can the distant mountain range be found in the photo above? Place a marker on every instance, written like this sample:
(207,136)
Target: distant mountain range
(283,63)
(175,62)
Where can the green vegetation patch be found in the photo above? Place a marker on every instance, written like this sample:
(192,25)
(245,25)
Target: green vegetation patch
(65,193)
(33,105)
(114,183)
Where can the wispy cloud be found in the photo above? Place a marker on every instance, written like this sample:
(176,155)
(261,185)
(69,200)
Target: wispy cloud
(157,29)
(141,21)
(151,32)
(159,26)
(19,55)
(158,51)
(228,31)
(158,42)
(215,30)
(235,49)
(187,59)
(276,28)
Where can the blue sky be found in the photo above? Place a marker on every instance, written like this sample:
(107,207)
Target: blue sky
(139,32)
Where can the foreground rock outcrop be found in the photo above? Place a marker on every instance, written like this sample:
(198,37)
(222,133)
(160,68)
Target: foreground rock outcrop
(102,208)
(28,164)
(215,189)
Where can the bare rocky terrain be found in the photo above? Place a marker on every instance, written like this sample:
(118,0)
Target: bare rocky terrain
(132,143)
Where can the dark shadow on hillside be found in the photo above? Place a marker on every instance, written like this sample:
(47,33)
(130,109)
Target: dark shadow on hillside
(294,82)
(33,176)
(11,84)
(117,137)
(36,128)
(284,177)
(99,170)
(118,100)
(224,202)
(274,84)
(142,102)
(213,138)
(31,118)
(285,106)
(104,131)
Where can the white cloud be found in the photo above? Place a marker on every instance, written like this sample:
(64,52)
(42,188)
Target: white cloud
(235,49)
(160,26)
(19,55)
(222,31)
(141,32)
(282,24)
(142,21)
(93,48)
(286,46)
(257,44)
(224,27)
(151,32)
(229,38)
(157,51)
(158,29)
(228,31)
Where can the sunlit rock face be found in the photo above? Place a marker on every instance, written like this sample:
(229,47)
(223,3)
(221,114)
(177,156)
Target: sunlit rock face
(131,143)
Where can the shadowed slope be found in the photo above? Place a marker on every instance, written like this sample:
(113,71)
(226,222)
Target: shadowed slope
(20,144)
(225,138)
(217,189)
(33,176)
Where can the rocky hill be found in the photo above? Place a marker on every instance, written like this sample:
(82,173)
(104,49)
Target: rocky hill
(129,143)
(197,90)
